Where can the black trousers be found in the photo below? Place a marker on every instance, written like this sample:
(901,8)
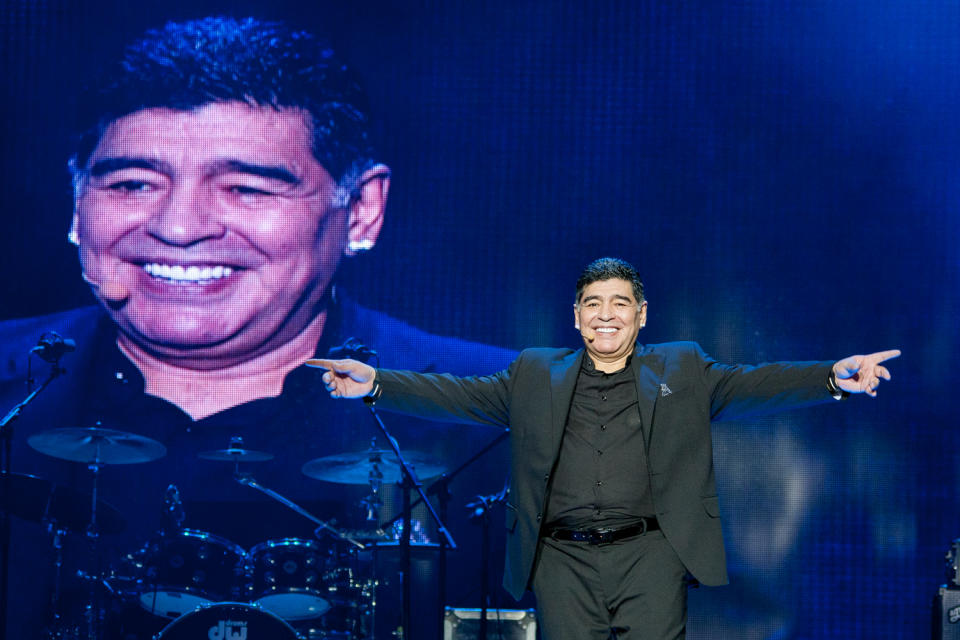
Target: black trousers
(632,589)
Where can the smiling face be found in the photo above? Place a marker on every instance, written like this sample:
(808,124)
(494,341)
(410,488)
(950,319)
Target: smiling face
(219,223)
(609,318)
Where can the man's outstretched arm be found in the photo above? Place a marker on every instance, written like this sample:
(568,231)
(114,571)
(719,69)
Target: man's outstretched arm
(431,396)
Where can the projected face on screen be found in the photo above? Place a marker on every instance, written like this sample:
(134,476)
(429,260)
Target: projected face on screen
(218,224)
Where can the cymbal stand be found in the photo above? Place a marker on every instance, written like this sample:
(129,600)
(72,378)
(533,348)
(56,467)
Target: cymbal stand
(93,611)
(56,629)
(410,481)
(6,436)
(372,502)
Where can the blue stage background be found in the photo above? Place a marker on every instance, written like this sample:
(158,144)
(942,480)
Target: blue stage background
(784,174)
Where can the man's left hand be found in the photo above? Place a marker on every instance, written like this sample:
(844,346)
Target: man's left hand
(862,374)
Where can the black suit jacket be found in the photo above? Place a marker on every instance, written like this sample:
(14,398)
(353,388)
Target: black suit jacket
(680,391)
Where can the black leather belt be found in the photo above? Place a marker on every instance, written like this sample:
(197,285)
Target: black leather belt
(604,536)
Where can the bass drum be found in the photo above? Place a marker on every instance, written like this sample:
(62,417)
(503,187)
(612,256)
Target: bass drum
(229,621)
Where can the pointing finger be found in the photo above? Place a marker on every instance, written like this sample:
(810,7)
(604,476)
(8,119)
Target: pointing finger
(880,356)
(319,363)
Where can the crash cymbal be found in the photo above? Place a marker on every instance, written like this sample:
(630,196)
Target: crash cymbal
(39,500)
(236,454)
(94,444)
(355,468)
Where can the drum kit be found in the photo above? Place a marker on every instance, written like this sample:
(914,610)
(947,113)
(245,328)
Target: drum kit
(194,584)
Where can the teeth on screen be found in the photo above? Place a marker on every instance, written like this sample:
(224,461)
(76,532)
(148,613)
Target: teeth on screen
(193,273)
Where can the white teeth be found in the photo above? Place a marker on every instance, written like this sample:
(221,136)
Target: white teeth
(193,273)
(606,330)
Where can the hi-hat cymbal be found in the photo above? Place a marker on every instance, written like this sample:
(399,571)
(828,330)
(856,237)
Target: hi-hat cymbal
(95,444)
(236,454)
(39,500)
(356,468)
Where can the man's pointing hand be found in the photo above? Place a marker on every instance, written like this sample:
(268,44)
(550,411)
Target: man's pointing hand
(345,378)
(862,374)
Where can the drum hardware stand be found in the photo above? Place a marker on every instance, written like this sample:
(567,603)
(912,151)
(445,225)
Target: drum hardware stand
(6,435)
(94,607)
(409,481)
(56,629)
(481,509)
(248,481)
(441,487)
(372,502)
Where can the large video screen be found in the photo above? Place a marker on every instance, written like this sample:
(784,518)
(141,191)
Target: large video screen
(783,175)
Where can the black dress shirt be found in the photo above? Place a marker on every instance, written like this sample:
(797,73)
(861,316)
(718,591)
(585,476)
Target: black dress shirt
(601,477)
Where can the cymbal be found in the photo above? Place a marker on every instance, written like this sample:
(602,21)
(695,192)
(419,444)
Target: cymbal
(234,454)
(39,500)
(355,468)
(94,444)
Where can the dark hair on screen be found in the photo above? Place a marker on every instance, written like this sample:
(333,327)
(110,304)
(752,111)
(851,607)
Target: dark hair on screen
(609,269)
(186,65)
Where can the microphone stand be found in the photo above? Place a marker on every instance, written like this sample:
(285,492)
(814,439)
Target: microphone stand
(441,488)
(6,435)
(486,503)
(410,481)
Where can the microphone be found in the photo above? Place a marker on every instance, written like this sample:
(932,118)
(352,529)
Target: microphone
(352,348)
(113,292)
(52,346)
(588,333)
(482,504)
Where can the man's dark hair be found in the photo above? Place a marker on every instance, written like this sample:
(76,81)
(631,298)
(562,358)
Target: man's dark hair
(190,64)
(609,269)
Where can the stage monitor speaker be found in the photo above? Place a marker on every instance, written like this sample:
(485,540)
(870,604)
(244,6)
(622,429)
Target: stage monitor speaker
(946,614)
(505,624)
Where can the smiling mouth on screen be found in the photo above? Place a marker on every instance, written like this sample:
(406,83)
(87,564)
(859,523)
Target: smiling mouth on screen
(193,274)
(187,281)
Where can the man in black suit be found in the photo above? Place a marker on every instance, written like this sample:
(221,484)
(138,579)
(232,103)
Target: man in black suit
(613,506)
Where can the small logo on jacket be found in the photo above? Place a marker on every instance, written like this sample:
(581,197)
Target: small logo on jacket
(664,390)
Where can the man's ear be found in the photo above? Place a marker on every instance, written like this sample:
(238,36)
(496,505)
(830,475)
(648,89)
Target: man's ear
(366,209)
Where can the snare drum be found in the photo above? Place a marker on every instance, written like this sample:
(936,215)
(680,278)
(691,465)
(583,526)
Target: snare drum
(287,578)
(228,621)
(181,571)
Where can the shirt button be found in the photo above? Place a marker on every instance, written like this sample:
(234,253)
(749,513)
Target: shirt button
(603,398)
(546,477)
(539,516)
(603,427)
(599,483)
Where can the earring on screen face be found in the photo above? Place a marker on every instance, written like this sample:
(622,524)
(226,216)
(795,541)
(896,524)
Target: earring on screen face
(73,238)
(358,246)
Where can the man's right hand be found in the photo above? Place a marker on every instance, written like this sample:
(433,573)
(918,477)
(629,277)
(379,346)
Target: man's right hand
(345,378)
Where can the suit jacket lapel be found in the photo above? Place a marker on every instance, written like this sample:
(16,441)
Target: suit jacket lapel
(648,372)
(563,380)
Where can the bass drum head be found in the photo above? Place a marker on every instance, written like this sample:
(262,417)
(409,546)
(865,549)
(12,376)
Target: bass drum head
(228,621)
